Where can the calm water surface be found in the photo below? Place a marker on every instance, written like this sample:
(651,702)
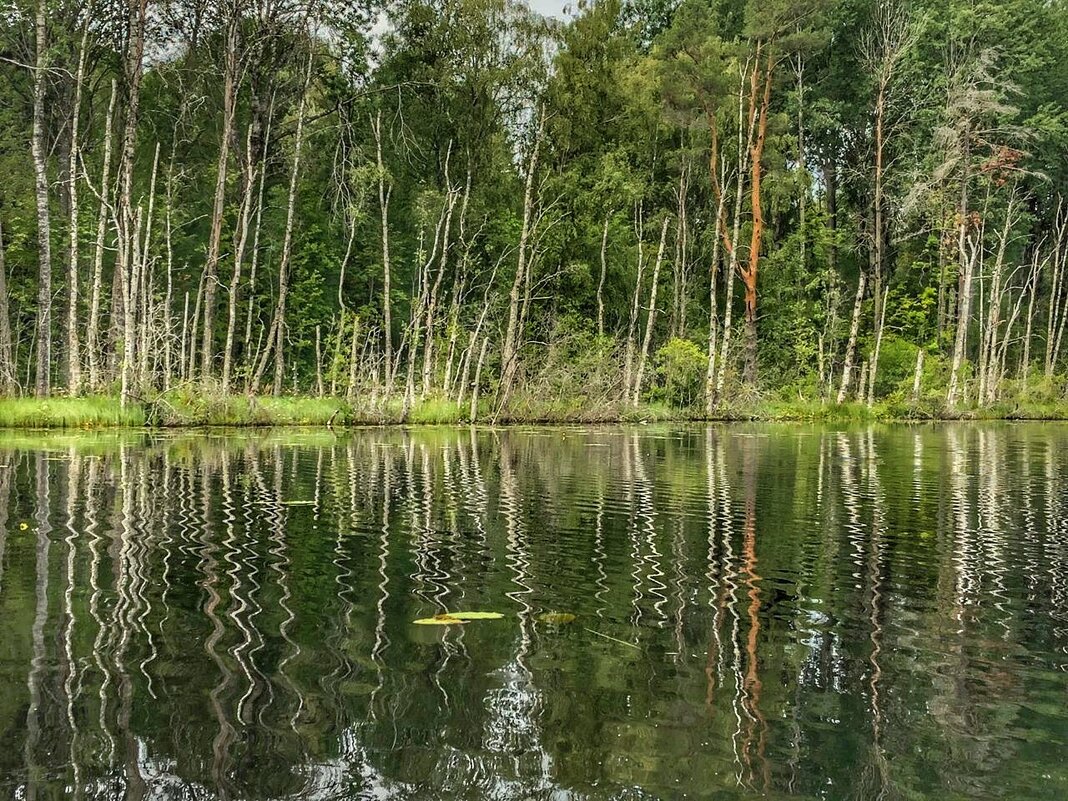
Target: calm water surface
(761,611)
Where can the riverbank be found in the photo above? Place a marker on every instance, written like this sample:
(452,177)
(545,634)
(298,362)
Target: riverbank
(189,410)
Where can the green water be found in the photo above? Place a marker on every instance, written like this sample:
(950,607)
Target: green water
(761,612)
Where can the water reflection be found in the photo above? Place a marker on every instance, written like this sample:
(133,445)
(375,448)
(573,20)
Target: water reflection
(791,612)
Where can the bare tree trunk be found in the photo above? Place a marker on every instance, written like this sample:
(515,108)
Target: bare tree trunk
(168,298)
(650,321)
(127,241)
(145,279)
(254,262)
(183,362)
(1032,291)
(354,351)
(384,193)
(39,150)
(92,336)
(211,265)
(917,376)
(713,312)
(278,325)
(851,345)
(7,364)
(469,355)
(635,307)
(963,318)
(74,355)
(749,274)
(435,288)
(989,352)
(459,285)
(677,325)
(743,156)
(878,236)
(318,362)
(478,380)
(891,37)
(1059,266)
(239,255)
(512,336)
(604,272)
(1056,330)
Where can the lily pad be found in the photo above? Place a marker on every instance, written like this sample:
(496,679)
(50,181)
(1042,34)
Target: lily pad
(439,620)
(557,618)
(465,616)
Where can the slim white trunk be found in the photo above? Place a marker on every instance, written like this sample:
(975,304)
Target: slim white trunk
(92,334)
(650,321)
(239,255)
(211,265)
(478,380)
(604,272)
(74,355)
(851,345)
(39,149)
(383,206)
(512,336)
(7,364)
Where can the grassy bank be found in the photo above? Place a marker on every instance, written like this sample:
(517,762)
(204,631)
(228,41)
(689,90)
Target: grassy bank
(191,409)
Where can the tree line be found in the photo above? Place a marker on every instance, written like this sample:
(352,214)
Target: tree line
(686,202)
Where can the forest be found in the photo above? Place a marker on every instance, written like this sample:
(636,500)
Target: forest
(703,208)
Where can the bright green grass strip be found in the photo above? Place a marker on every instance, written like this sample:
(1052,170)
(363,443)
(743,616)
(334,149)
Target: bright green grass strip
(90,412)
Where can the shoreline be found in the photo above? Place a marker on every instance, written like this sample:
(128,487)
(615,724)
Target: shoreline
(241,411)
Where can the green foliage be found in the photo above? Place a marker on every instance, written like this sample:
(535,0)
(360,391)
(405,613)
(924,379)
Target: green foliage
(681,367)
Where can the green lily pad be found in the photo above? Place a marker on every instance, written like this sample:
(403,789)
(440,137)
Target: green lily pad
(557,618)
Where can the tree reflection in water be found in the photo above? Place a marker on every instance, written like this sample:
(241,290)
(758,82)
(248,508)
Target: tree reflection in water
(799,612)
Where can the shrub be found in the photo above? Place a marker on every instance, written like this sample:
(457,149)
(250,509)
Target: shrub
(681,368)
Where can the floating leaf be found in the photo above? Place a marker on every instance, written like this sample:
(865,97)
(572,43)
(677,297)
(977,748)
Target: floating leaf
(556,618)
(23,526)
(439,620)
(465,616)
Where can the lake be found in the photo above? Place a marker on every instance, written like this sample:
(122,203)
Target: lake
(727,612)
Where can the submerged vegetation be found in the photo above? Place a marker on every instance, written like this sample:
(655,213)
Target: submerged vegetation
(430,211)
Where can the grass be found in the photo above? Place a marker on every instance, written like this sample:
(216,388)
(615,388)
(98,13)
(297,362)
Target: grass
(187,408)
(58,412)
(194,409)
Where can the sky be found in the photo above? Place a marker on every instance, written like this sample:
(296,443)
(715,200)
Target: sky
(550,8)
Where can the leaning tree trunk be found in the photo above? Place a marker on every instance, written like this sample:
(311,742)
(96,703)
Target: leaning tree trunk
(92,334)
(851,345)
(960,341)
(635,307)
(651,319)
(239,255)
(44,229)
(211,264)
(278,327)
(510,351)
